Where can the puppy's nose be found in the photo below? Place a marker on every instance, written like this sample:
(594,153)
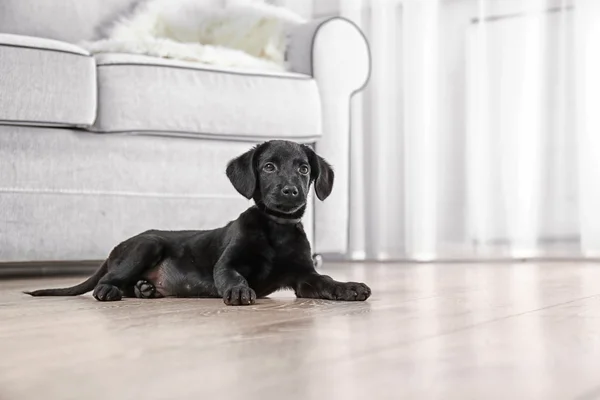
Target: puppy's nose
(289,191)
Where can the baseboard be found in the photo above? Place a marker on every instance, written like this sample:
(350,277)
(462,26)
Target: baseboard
(41,269)
(334,257)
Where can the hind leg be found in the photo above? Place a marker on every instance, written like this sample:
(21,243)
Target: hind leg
(126,264)
(144,289)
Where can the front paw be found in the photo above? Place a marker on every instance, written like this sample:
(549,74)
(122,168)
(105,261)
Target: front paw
(239,296)
(351,291)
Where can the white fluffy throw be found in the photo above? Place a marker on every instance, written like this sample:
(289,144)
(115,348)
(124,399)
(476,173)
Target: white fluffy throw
(250,33)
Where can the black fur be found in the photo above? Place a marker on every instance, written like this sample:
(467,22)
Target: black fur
(265,249)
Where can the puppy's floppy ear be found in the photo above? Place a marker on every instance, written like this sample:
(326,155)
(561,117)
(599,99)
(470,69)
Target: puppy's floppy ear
(321,173)
(240,172)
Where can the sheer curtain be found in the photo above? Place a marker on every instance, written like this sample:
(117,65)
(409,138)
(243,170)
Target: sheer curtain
(479,133)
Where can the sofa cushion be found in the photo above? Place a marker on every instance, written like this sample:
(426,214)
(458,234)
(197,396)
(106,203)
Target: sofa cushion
(152,95)
(45,82)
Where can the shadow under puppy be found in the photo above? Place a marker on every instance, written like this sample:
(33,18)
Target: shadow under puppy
(265,249)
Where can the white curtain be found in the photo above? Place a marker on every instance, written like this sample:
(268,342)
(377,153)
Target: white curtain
(479,133)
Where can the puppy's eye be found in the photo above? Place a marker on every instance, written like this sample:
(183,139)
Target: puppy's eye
(303,170)
(269,167)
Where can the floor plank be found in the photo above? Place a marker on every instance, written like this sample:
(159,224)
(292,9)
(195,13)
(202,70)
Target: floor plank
(456,331)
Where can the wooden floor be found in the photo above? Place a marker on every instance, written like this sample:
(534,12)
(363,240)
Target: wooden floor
(494,331)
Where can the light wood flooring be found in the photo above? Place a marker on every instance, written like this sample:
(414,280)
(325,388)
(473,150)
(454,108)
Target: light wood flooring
(454,331)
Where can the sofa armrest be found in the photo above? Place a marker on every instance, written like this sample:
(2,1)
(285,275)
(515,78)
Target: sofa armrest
(332,50)
(336,53)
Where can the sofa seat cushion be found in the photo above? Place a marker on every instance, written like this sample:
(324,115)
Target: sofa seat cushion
(45,82)
(142,94)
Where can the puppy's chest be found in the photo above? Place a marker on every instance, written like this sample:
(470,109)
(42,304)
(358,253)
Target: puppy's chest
(281,255)
(288,243)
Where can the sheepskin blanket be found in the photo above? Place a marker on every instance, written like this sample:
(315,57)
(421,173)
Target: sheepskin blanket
(249,34)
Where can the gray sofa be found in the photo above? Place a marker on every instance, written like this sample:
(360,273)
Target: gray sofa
(96,149)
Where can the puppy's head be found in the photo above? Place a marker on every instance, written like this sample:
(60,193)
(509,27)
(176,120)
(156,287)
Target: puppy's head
(279,173)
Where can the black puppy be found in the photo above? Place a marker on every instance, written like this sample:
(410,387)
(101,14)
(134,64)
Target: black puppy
(262,251)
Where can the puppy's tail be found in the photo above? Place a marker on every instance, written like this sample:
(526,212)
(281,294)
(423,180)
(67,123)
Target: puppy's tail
(82,288)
